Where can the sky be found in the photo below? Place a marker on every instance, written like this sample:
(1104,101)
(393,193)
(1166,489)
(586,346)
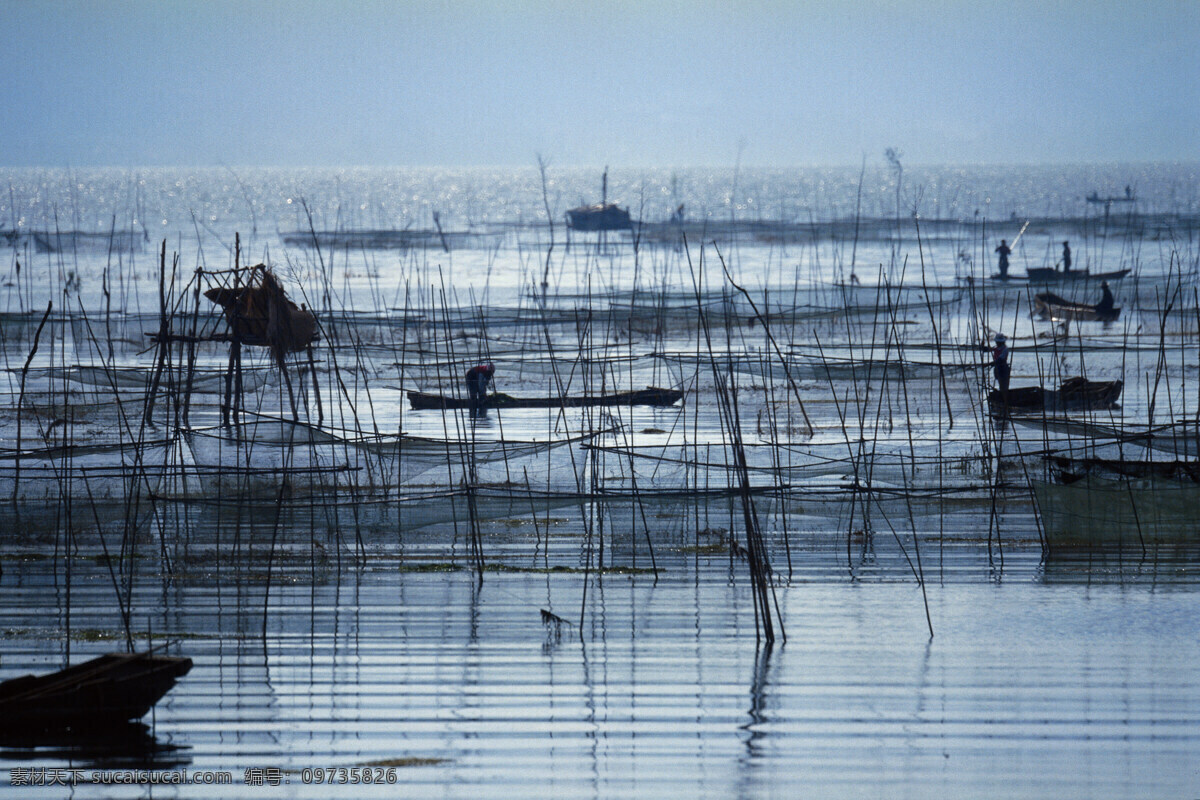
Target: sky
(630,84)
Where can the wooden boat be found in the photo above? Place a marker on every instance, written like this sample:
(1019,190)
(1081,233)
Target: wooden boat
(599,217)
(1074,394)
(1095,197)
(1052,275)
(642,397)
(1052,306)
(103,692)
(1096,512)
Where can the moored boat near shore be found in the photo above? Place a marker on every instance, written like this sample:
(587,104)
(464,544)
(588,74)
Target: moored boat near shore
(99,693)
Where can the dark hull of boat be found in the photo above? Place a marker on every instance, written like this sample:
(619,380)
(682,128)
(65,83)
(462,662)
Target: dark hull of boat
(1051,275)
(1047,275)
(643,397)
(1051,306)
(104,692)
(1075,394)
(599,218)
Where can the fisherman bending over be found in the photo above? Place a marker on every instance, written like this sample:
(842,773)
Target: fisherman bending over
(1066,257)
(1105,306)
(1004,252)
(478,378)
(1000,363)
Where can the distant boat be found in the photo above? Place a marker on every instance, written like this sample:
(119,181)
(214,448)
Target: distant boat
(1052,275)
(1095,197)
(599,217)
(103,692)
(1075,394)
(141,379)
(1052,306)
(642,397)
(126,241)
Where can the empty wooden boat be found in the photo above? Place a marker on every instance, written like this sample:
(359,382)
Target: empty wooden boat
(105,691)
(1052,306)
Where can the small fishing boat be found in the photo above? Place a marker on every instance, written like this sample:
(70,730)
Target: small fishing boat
(599,217)
(1074,394)
(103,692)
(1052,306)
(1052,275)
(1095,197)
(642,397)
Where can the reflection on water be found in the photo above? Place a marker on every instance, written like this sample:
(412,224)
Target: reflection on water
(1070,677)
(131,745)
(1159,568)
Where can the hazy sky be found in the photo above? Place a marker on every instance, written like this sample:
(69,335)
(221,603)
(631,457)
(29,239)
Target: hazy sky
(629,84)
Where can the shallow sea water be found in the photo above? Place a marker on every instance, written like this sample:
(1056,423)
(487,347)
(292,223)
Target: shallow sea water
(355,633)
(1073,677)
(1066,679)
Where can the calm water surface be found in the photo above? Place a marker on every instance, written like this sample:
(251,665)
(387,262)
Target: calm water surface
(343,632)
(1066,679)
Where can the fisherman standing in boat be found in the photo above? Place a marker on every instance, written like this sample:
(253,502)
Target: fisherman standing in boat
(1000,366)
(1105,306)
(478,378)
(1004,252)
(1066,257)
